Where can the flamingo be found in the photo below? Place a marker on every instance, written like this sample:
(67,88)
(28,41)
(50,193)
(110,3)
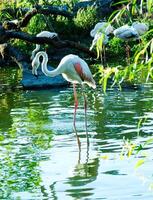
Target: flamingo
(126,33)
(104,38)
(103,27)
(141,28)
(42,34)
(97,37)
(73,69)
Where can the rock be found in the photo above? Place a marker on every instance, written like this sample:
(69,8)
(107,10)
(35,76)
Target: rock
(29,81)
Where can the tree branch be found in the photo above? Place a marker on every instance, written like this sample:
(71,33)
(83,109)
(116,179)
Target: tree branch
(53,42)
(45,10)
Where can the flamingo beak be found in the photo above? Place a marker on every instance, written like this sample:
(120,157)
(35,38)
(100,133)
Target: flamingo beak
(36,75)
(34,72)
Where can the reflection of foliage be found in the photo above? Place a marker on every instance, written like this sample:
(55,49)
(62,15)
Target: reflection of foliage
(9,77)
(83,174)
(20,146)
(41,135)
(18,172)
(127,149)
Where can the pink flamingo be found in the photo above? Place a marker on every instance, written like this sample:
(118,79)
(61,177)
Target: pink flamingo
(73,69)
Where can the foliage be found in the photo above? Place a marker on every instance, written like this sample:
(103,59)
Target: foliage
(85,18)
(116,47)
(37,24)
(68,3)
(139,67)
(131,10)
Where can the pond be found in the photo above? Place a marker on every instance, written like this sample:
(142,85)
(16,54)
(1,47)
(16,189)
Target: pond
(39,157)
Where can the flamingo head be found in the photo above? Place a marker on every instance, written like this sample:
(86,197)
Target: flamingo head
(35,65)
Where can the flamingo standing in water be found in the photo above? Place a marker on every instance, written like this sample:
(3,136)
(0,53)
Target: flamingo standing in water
(73,69)
(47,34)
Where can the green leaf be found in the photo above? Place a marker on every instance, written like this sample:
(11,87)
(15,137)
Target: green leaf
(139,163)
(120,2)
(149,141)
(149,5)
(134,6)
(141,7)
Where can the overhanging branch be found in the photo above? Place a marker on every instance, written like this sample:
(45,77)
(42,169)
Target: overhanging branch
(43,40)
(45,10)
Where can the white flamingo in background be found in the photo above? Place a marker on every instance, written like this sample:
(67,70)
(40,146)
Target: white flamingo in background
(101,30)
(104,39)
(73,69)
(133,32)
(126,33)
(141,28)
(97,37)
(47,34)
(103,27)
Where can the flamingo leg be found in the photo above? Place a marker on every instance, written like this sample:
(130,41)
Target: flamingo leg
(128,53)
(85,112)
(74,119)
(104,55)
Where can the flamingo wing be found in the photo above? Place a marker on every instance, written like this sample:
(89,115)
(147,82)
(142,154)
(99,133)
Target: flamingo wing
(85,74)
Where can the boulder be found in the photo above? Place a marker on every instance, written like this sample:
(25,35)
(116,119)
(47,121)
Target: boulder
(29,81)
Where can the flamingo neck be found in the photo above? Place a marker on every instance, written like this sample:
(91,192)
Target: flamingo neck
(44,68)
(35,51)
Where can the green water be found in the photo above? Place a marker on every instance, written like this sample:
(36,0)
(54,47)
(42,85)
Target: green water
(39,158)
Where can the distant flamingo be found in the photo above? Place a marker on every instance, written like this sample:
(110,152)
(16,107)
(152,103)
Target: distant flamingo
(104,39)
(101,30)
(126,33)
(97,37)
(103,27)
(141,28)
(47,34)
(73,69)
(132,32)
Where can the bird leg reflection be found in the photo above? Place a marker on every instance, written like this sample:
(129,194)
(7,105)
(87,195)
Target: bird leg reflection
(74,119)
(85,112)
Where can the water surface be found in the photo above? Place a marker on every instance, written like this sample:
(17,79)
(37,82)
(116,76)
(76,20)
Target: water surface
(39,157)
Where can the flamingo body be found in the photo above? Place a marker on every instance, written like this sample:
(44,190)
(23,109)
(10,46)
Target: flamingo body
(47,34)
(141,28)
(103,27)
(97,37)
(126,33)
